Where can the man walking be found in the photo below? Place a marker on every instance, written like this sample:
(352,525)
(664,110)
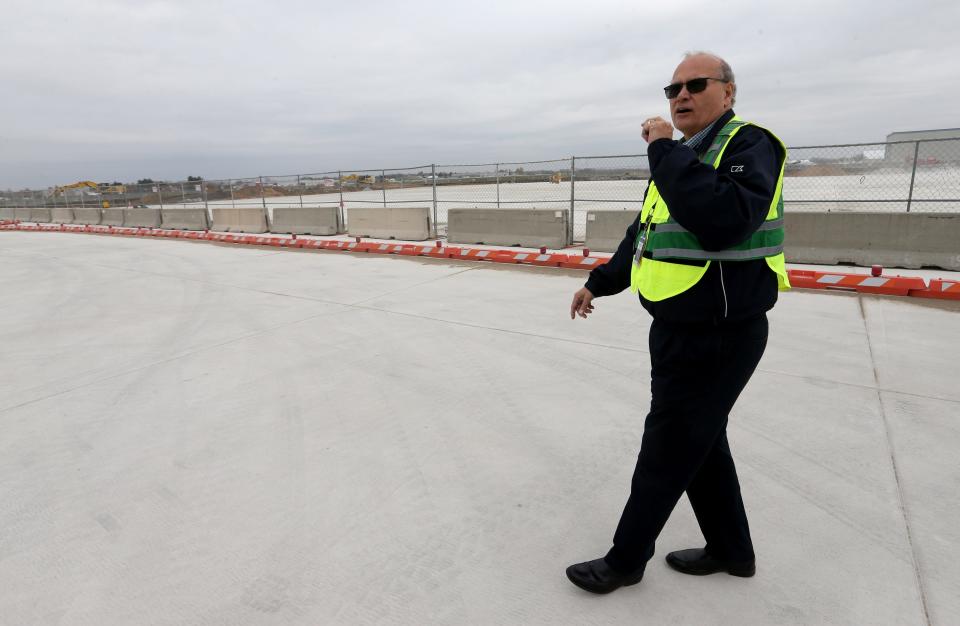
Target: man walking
(705,256)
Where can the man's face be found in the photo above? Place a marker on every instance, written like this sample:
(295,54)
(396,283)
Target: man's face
(691,112)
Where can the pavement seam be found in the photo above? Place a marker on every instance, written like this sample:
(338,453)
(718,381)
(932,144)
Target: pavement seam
(896,471)
(426,282)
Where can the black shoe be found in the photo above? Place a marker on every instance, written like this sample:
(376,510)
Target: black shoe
(598,577)
(697,562)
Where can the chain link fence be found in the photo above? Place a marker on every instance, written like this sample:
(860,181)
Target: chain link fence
(892,177)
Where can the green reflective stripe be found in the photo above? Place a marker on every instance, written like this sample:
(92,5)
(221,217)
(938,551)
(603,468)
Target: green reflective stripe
(722,255)
(721,139)
(688,241)
(674,227)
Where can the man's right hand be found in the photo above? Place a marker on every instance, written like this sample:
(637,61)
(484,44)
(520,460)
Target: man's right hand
(581,304)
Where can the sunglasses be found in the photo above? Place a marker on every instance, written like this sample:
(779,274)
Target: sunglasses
(695,85)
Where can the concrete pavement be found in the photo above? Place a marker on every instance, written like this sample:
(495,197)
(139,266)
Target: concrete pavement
(204,434)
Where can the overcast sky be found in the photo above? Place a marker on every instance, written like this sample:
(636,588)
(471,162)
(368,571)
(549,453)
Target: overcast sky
(120,90)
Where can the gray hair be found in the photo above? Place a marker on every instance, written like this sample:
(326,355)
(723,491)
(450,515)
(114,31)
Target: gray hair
(726,72)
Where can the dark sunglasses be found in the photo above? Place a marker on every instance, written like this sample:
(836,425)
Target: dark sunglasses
(695,85)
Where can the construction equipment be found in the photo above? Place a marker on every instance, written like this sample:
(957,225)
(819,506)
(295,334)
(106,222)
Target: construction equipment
(83,183)
(61,190)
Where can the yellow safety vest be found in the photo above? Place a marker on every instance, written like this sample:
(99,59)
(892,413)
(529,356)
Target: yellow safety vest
(661,239)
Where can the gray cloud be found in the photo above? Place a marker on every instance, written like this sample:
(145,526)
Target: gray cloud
(123,90)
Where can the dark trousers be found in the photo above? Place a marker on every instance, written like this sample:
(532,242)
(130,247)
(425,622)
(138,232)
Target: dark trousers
(697,373)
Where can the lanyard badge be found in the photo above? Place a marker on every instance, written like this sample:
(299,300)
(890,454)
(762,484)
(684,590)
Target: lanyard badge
(642,239)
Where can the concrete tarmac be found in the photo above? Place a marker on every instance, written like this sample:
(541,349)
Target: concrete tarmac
(205,434)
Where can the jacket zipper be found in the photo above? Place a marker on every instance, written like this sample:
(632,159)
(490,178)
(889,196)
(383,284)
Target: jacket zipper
(723,288)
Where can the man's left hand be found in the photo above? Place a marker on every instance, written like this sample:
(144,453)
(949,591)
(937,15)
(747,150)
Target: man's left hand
(657,128)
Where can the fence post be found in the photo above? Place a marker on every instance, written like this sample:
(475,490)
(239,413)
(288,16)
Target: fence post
(263,199)
(498,185)
(183,196)
(383,186)
(233,203)
(300,191)
(159,194)
(203,194)
(343,223)
(573,175)
(433,179)
(913,174)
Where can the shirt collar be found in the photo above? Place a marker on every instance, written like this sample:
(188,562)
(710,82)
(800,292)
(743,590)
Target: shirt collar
(697,141)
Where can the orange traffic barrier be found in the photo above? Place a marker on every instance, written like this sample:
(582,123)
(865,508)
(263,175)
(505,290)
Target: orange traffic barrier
(884,285)
(583,262)
(441,252)
(877,283)
(940,289)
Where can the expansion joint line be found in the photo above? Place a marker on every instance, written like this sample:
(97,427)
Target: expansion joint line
(896,471)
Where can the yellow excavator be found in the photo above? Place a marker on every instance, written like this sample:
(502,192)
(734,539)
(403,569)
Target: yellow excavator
(57,191)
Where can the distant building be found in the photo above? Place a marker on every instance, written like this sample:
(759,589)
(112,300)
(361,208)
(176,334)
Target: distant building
(930,152)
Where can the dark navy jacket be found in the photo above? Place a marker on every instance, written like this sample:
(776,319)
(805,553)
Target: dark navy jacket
(722,207)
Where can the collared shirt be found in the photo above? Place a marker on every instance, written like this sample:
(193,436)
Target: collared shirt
(695,141)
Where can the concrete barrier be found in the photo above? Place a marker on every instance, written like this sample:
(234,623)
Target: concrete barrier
(21,214)
(61,216)
(184,219)
(40,216)
(141,218)
(86,216)
(111,217)
(7,213)
(606,229)
(910,240)
(240,220)
(410,224)
(312,221)
(530,228)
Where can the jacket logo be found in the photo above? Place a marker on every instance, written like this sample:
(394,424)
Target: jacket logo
(736,168)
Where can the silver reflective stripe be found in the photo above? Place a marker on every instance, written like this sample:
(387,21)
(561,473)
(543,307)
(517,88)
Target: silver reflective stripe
(771,225)
(721,255)
(829,279)
(669,227)
(873,281)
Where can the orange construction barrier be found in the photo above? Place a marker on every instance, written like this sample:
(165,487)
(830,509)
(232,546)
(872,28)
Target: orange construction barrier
(884,285)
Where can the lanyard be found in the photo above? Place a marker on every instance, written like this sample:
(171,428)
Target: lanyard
(645,232)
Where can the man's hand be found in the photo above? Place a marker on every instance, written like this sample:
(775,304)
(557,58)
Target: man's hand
(657,128)
(581,304)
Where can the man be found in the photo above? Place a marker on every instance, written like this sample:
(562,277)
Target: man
(705,256)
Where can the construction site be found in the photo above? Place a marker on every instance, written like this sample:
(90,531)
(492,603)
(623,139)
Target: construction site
(204,426)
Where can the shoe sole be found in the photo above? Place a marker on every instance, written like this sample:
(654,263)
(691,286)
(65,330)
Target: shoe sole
(746,572)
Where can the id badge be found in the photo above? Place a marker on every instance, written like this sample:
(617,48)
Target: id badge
(642,240)
(641,247)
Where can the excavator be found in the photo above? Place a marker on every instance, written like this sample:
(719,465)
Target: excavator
(57,191)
